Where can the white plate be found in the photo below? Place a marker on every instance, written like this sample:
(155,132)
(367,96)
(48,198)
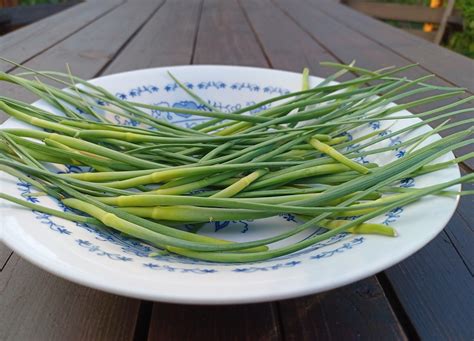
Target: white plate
(113,263)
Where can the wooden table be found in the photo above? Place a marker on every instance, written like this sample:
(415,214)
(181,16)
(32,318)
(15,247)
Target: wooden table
(429,295)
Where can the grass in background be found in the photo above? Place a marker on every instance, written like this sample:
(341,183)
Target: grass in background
(463,41)
(460,41)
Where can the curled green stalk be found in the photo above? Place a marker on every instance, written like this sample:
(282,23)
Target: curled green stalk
(240,184)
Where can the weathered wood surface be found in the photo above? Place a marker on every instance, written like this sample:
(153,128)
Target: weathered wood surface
(27,42)
(38,306)
(427,295)
(225,37)
(240,322)
(161,42)
(300,50)
(358,311)
(435,289)
(452,67)
(5,254)
(90,50)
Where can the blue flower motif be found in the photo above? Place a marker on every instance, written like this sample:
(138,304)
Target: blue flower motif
(134,123)
(346,246)
(122,96)
(73,169)
(375,125)
(31,199)
(83,242)
(186,105)
(63,230)
(407,182)
(400,153)
(45,219)
(219,225)
(150,265)
(362,159)
(168,268)
(385,132)
(393,215)
(246,226)
(99,252)
(349,136)
(395,141)
(267,268)
(288,217)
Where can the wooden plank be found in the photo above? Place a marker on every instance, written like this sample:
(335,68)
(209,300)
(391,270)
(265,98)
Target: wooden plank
(341,40)
(5,254)
(91,49)
(399,12)
(466,203)
(461,235)
(461,228)
(31,40)
(357,311)
(285,44)
(451,66)
(435,290)
(38,306)
(347,44)
(224,37)
(237,322)
(158,45)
